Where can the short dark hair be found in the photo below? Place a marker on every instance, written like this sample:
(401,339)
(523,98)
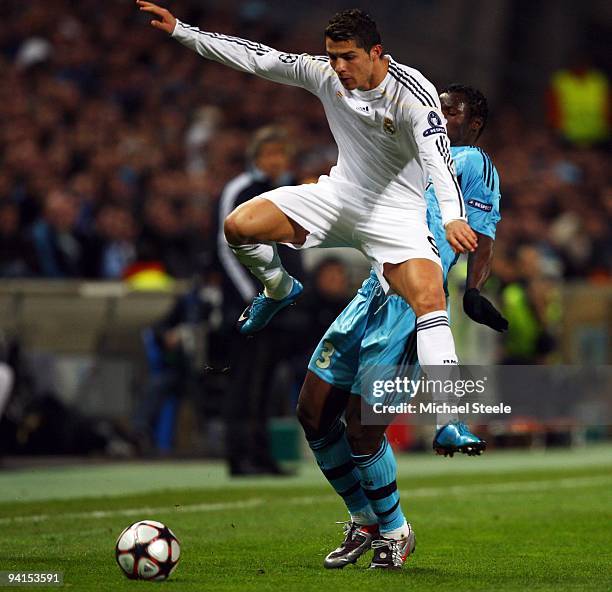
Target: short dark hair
(356,25)
(476,101)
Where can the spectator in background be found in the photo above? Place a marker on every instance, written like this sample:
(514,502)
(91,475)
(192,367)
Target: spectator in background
(553,194)
(164,235)
(324,298)
(529,303)
(60,251)
(205,124)
(17,257)
(322,302)
(83,110)
(579,103)
(176,354)
(254,361)
(7,379)
(113,249)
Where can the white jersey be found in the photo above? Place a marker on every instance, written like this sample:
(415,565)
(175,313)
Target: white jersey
(390,139)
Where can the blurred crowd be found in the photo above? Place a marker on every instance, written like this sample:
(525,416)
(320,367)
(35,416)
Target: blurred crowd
(115,144)
(555,197)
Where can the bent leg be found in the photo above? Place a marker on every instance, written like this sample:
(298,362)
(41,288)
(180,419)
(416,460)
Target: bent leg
(419,282)
(251,231)
(320,406)
(260,220)
(375,463)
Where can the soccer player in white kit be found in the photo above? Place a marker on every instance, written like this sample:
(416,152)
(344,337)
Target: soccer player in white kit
(391,136)
(389,128)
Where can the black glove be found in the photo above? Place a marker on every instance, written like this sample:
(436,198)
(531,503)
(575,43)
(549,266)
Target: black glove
(479,309)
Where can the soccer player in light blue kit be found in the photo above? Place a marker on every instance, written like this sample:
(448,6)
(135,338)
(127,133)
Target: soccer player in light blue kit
(376,329)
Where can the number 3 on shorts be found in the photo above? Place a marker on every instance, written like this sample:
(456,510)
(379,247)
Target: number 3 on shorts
(326,353)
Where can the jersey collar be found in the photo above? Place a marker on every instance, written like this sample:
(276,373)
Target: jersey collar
(374,93)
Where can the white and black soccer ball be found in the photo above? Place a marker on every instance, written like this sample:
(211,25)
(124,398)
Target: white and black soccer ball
(147,550)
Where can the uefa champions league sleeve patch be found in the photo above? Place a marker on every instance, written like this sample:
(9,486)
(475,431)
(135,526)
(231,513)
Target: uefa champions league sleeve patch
(435,125)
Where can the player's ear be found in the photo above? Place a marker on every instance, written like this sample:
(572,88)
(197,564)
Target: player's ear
(476,123)
(376,52)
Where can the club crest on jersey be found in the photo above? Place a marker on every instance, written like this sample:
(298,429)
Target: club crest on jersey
(339,94)
(389,126)
(435,125)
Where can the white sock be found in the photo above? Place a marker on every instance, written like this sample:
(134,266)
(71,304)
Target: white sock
(263,262)
(437,357)
(365,517)
(399,533)
(279,286)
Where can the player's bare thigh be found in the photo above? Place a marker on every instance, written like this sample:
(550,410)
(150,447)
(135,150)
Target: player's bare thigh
(259,220)
(319,405)
(419,282)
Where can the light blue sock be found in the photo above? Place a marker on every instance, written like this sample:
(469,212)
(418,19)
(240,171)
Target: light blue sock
(378,473)
(333,456)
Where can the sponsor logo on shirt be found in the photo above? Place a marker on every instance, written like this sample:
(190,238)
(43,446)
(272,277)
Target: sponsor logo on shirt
(435,125)
(363,108)
(485,207)
(389,126)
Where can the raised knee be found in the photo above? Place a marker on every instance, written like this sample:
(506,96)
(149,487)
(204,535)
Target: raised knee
(232,229)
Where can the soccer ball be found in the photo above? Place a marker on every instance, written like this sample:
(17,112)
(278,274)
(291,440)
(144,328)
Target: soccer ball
(147,550)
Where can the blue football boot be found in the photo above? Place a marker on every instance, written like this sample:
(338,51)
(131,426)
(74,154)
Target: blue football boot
(456,437)
(260,312)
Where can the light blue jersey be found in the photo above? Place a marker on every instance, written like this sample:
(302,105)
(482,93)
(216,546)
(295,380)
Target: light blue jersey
(480,187)
(379,330)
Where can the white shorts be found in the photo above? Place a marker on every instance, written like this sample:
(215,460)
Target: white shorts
(334,218)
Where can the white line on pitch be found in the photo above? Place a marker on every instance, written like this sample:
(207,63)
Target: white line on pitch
(513,486)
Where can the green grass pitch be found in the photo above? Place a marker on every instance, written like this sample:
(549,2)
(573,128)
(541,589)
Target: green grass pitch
(503,521)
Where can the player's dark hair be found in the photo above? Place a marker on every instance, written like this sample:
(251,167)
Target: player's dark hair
(475,100)
(356,25)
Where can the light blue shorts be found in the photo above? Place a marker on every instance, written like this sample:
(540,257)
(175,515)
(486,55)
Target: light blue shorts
(374,330)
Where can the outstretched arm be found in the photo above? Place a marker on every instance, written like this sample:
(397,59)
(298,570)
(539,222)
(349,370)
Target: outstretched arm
(475,305)
(247,56)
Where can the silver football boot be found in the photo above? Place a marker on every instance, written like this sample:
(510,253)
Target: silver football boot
(357,541)
(392,553)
